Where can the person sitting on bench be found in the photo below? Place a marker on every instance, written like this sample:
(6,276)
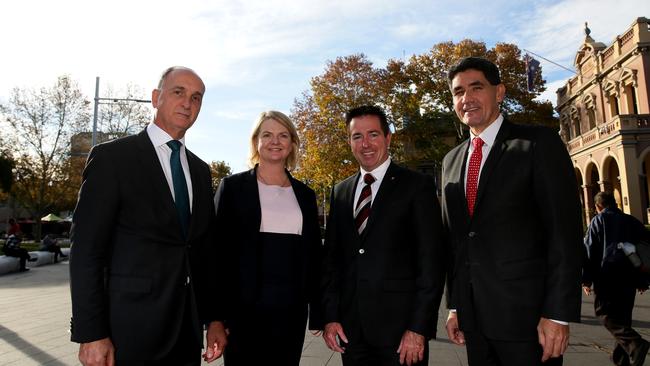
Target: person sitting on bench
(12,248)
(49,244)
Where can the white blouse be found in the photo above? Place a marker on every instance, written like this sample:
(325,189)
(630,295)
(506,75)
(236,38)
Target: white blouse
(280,210)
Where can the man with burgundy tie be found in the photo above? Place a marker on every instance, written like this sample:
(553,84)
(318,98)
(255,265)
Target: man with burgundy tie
(512,216)
(143,248)
(384,264)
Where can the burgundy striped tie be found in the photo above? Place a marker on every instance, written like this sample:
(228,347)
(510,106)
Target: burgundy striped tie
(472,174)
(362,210)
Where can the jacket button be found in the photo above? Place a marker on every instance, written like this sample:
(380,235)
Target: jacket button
(361,251)
(471,234)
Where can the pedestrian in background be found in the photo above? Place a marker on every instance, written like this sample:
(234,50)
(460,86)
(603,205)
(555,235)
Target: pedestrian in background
(612,277)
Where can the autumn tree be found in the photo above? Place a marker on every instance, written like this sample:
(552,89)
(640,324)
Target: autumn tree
(415,94)
(320,118)
(428,75)
(219,170)
(40,124)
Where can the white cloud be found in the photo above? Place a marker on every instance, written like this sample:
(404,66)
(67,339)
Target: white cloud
(557,31)
(260,54)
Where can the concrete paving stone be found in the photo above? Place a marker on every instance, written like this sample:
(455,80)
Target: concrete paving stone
(36,313)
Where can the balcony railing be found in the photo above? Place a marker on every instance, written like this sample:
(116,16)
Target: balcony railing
(618,123)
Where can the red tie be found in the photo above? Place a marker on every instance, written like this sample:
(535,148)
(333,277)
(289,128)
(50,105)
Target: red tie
(472,174)
(362,210)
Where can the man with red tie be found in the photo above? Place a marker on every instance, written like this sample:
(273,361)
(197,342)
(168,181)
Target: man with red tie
(384,266)
(511,211)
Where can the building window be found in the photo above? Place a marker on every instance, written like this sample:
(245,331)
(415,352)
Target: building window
(591,116)
(630,99)
(628,81)
(575,121)
(611,89)
(613,106)
(589,101)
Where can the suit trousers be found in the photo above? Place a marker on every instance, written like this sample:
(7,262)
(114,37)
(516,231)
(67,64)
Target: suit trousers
(487,352)
(185,352)
(613,305)
(281,331)
(359,353)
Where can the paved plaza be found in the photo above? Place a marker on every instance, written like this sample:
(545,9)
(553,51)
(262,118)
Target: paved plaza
(35,316)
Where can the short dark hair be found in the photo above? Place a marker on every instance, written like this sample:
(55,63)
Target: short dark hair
(605,200)
(489,69)
(368,110)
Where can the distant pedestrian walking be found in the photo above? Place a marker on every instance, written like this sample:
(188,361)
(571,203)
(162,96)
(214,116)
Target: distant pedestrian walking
(615,280)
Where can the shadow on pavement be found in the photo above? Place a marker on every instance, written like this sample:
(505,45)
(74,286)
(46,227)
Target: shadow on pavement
(42,276)
(30,350)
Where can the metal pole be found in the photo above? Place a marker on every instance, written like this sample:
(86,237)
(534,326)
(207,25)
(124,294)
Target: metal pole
(94,142)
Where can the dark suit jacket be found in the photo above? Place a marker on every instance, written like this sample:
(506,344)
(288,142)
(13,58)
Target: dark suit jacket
(239,216)
(518,258)
(397,282)
(129,263)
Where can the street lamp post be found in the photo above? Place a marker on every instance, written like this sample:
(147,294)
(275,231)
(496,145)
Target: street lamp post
(114,100)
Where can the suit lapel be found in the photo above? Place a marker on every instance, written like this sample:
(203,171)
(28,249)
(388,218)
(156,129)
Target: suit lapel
(194,164)
(386,188)
(347,190)
(491,162)
(251,198)
(151,170)
(455,180)
(300,197)
(460,166)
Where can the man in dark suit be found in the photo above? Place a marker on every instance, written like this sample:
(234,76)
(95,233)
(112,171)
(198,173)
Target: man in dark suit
(511,211)
(384,266)
(142,239)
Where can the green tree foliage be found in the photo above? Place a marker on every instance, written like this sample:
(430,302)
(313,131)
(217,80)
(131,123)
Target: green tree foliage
(219,170)
(415,94)
(40,124)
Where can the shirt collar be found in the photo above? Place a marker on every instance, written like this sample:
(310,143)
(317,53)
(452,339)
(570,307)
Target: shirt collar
(159,137)
(378,172)
(490,133)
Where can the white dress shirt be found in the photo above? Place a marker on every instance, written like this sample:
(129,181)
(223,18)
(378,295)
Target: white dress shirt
(159,138)
(379,173)
(488,136)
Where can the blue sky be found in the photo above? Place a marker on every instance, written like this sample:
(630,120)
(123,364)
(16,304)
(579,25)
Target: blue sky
(260,54)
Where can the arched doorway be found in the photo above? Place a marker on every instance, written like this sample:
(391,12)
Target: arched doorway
(612,180)
(591,188)
(644,184)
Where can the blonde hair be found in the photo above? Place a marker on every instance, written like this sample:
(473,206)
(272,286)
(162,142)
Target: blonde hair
(292,159)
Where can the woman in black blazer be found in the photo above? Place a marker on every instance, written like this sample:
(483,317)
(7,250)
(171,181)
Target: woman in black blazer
(268,222)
